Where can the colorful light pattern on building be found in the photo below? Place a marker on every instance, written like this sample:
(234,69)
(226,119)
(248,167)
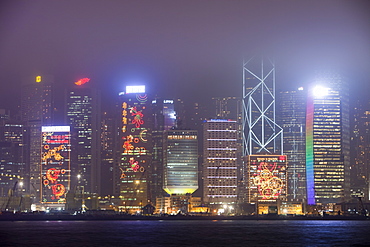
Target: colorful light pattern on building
(82,81)
(309,152)
(135,157)
(55,163)
(267,177)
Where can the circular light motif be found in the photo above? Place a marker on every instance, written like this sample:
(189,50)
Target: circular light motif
(269,185)
(142,97)
(142,135)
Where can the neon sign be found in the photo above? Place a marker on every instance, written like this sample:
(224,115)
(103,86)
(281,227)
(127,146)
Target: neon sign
(55,163)
(138,116)
(38,78)
(134,135)
(82,81)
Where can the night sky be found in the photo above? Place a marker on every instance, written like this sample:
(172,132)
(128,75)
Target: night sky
(188,49)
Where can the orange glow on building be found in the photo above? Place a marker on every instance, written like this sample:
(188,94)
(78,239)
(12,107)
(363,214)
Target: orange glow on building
(82,81)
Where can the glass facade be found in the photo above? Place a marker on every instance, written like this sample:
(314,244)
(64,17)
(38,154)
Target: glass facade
(180,161)
(37,108)
(292,118)
(327,141)
(83,115)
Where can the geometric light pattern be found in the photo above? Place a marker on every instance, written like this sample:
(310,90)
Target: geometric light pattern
(261,134)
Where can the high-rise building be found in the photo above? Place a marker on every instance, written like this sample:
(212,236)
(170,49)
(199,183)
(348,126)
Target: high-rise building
(360,164)
(292,118)
(37,108)
(134,162)
(327,140)
(13,153)
(180,161)
(261,134)
(164,118)
(55,165)
(220,165)
(109,140)
(83,115)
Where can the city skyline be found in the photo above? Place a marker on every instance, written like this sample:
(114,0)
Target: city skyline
(190,50)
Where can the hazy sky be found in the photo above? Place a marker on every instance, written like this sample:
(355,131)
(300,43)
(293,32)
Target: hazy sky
(189,49)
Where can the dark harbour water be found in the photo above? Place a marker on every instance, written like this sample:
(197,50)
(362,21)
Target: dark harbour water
(186,233)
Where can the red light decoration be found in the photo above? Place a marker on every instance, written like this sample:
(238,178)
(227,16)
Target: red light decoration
(138,115)
(269,185)
(52,174)
(127,144)
(58,190)
(82,81)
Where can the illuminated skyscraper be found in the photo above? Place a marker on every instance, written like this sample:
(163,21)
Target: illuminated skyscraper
(55,165)
(360,164)
(292,118)
(83,115)
(180,161)
(134,164)
(327,140)
(108,141)
(36,111)
(220,165)
(261,134)
(13,153)
(164,118)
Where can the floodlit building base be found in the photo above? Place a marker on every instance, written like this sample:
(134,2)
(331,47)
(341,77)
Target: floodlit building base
(179,204)
(281,208)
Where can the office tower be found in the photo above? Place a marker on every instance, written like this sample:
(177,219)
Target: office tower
(220,165)
(231,108)
(55,165)
(261,134)
(292,118)
(164,118)
(134,164)
(13,153)
(83,115)
(360,164)
(327,140)
(109,139)
(36,111)
(180,161)
(181,119)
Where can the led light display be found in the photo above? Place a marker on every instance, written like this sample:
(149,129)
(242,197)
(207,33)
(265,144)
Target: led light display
(55,163)
(310,179)
(267,177)
(135,156)
(135,89)
(82,81)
